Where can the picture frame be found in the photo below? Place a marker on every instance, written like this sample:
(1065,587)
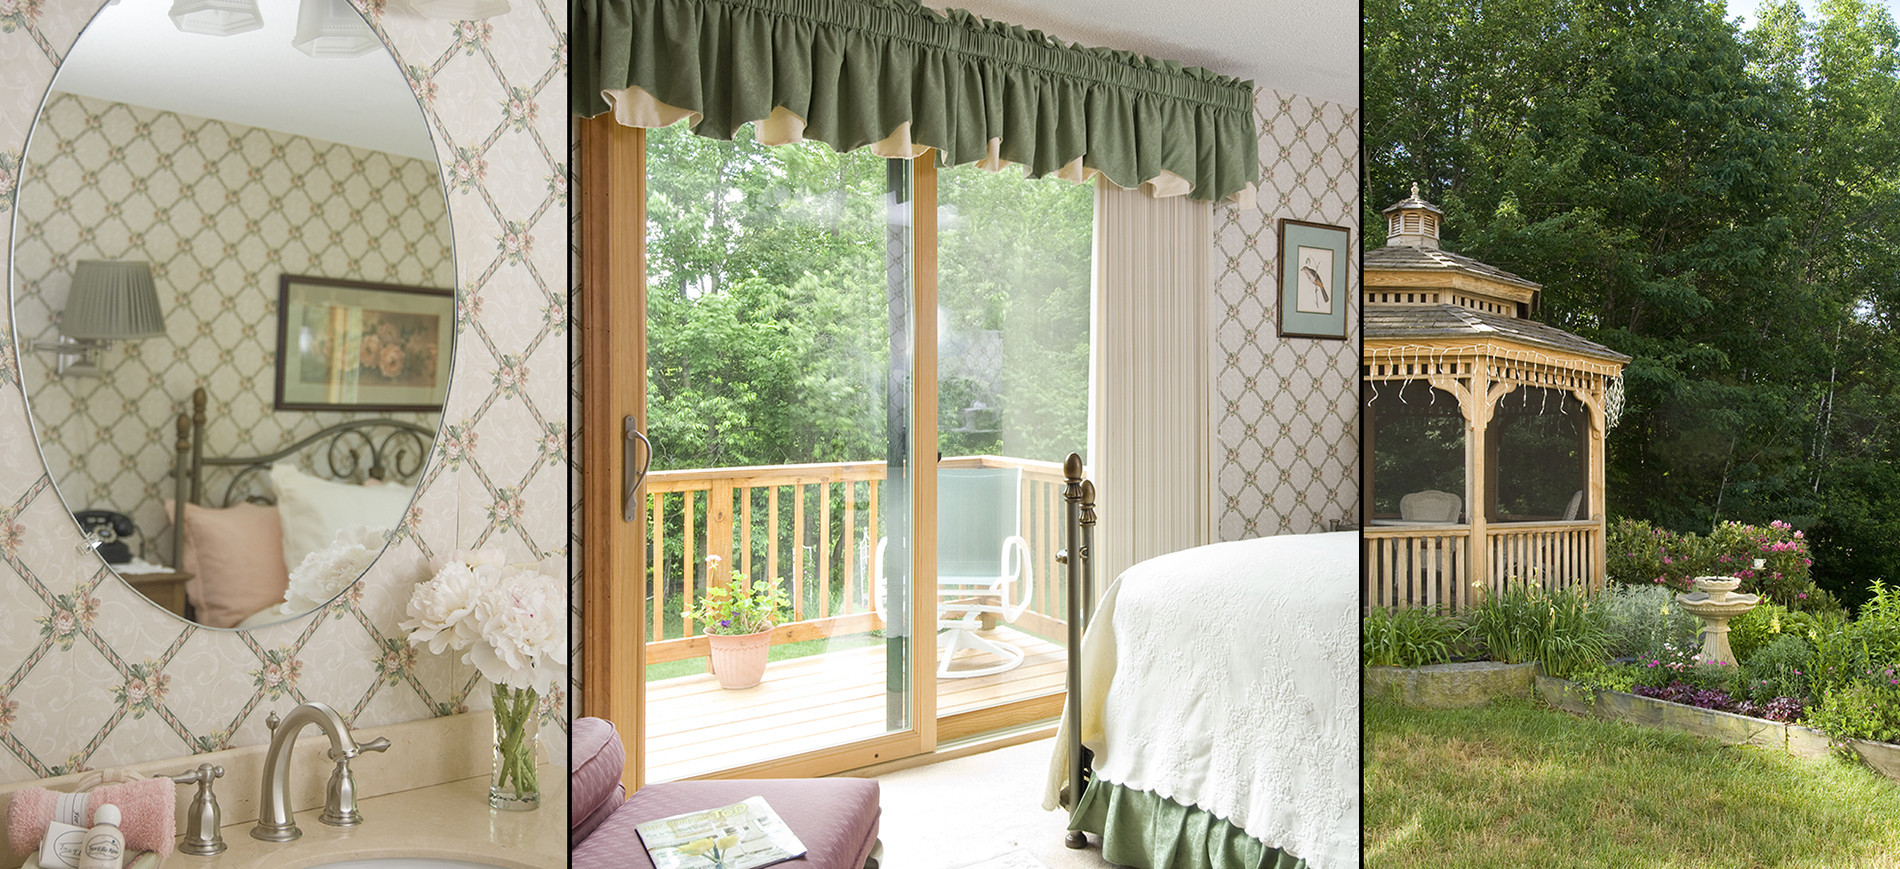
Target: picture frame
(1313,290)
(357,345)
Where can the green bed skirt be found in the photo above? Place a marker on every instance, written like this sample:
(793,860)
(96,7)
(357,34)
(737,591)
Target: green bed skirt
(1149,831)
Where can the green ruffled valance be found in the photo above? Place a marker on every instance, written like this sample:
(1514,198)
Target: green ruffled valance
(898,77)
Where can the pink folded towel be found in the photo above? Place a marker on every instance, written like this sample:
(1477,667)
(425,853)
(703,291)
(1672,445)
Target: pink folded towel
(145,812)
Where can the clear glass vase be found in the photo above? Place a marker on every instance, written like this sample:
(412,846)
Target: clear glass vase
(515,785)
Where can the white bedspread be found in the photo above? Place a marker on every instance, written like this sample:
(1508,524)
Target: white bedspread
(1226,677)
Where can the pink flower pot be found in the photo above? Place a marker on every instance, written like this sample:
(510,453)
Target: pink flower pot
(739,660)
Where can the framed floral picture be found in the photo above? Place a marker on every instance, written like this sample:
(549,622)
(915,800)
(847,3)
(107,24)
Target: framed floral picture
(355,345)
(1313,301)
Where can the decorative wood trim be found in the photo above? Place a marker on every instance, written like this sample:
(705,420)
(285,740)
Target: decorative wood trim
(613,386)
(1439,279)
(923,552)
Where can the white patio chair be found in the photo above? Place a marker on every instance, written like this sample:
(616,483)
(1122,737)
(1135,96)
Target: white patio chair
(1431,505)
(982,565)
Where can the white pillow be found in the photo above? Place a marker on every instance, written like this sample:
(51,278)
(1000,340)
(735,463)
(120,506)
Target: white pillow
(314,510)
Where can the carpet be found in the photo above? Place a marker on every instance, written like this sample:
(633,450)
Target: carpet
(1017,859)
(944,815)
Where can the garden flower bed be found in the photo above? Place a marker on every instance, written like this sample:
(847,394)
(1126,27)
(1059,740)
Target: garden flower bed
(1715,724)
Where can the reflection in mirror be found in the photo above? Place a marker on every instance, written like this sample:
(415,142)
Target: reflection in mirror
(177,186)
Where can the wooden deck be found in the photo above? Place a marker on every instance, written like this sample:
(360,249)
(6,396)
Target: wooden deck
(694,727)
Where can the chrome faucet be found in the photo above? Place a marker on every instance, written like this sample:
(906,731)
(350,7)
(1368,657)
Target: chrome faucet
(274,821)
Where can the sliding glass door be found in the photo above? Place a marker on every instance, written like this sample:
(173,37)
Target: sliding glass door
(1012,351)
(779,399)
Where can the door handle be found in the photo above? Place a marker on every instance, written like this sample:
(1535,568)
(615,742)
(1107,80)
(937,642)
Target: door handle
(630,505)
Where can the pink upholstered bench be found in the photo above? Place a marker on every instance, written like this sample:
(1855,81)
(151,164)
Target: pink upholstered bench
(836,818)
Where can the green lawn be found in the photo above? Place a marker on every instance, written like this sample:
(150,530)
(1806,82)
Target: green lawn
(1520,785)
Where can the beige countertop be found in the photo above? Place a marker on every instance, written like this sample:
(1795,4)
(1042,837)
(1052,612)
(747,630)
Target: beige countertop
(446,821)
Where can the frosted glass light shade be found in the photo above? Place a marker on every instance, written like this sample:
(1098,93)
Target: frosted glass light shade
(216,17)
(333,28)
(460,10)
(112,301)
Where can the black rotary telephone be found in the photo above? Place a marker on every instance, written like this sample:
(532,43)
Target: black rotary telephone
(111,529)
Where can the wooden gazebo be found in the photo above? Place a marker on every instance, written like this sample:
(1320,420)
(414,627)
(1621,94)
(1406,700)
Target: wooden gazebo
(1470,402)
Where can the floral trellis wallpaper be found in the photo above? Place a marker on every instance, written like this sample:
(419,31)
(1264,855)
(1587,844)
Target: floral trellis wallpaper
(1286,425)
(92,675)
(298,206)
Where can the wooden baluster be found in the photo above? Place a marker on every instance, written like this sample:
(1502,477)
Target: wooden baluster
(690,563)
(719,531)
(871,534)
(850,539)
(745,533)
(771,525)
(798,552)
(657,567)
(824,549)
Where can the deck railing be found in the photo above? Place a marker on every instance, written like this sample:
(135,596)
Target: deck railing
(1430,566)
(815,527)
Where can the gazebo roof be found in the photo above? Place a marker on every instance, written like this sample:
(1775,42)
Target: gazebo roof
(1405,257)
(1420,322)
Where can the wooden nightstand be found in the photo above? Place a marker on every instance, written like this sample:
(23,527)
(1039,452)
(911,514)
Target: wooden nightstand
(165,589)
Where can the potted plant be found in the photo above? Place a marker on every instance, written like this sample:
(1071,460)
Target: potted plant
(738,624)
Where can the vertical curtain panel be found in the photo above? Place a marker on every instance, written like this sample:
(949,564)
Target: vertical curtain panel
(898,77)
(1150,440)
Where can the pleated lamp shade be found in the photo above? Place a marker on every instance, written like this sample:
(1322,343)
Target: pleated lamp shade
(216,17)
(333,28)
(112,301)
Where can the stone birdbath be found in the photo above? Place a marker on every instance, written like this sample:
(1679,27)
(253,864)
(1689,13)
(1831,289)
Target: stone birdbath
(1715,604)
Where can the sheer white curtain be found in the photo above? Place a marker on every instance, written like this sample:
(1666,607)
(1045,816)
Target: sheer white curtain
(1150,375)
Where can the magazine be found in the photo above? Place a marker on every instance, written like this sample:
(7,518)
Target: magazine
(739,836)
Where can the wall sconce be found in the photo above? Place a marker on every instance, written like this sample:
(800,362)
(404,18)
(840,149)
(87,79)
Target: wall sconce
(216,17)
(332,28)
(110,301)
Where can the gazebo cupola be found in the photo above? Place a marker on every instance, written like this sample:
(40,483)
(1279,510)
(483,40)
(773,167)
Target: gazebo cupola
(1413,222)
(1483,428)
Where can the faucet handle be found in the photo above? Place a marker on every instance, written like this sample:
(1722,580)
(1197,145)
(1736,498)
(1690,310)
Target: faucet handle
(380,743)
(271,722)
(202,834)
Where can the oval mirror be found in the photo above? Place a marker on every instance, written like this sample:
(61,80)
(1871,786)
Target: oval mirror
(232,290)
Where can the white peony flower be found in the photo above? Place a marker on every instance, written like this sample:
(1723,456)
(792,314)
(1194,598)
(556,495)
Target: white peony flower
(325,573)
(439,609)
(523,632)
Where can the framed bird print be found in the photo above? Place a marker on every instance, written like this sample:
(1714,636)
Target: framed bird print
(1313,299)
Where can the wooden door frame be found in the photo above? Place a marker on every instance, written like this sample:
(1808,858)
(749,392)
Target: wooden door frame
(612,305)
(613,212)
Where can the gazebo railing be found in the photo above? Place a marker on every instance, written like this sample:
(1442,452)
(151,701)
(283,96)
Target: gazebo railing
(1552,556)
(1417,566)
(1430,566)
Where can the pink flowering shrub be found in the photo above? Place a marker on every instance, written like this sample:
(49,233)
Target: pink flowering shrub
(1642,554)
(1786,572)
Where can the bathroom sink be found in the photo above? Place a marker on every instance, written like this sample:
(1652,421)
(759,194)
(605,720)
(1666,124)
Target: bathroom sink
(406,863)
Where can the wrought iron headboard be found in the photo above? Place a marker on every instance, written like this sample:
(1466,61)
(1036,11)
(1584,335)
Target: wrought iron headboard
(352,451)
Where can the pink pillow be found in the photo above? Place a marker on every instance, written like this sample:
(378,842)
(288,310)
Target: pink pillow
(236,558)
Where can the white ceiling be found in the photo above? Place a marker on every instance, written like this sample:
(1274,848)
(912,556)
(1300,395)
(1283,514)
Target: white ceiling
(131,53)
(1309,48)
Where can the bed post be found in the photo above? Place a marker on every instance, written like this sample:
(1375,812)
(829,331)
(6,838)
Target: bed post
(1072,544)
(1087,550)
(181,456)
(197,445)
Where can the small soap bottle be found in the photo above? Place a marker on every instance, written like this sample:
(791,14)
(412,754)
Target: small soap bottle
(105,845)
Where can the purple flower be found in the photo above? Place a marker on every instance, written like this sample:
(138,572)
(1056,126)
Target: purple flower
(725,623)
